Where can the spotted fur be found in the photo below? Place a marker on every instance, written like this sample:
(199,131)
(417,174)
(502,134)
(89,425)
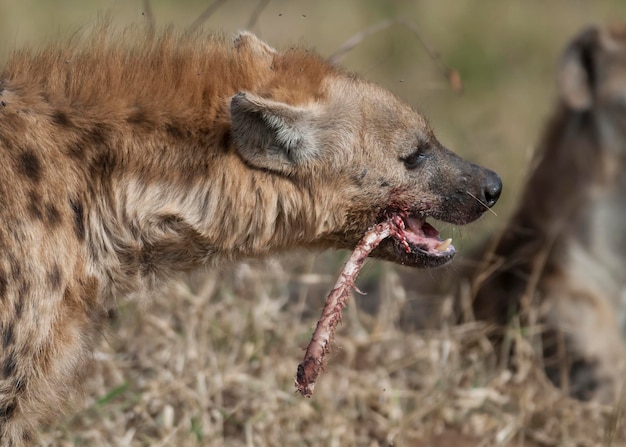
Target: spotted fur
(126,160)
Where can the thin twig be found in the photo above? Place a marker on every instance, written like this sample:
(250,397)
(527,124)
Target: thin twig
(355,40)
(149,15)
(452,76)
(205,16)
(256,13)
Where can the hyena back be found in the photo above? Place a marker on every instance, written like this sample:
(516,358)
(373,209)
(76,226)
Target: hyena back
(124,163)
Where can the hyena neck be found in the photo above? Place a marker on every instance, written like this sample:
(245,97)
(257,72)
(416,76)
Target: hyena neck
(148,126)
(165,222)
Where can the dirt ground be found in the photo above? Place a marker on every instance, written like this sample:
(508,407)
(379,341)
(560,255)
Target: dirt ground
(211,360)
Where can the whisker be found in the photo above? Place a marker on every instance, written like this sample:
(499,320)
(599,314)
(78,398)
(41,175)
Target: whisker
(482,203)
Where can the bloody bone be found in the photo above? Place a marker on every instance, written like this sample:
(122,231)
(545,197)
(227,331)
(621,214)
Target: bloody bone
(313,364)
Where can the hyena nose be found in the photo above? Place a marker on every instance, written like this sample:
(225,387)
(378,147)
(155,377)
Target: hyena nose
(492,188)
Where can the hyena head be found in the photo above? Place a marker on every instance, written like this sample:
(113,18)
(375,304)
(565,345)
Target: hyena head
(370,157)
(592,138)
(592,80)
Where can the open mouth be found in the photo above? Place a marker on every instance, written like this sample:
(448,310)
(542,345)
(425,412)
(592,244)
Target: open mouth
(422,236)
(415,242)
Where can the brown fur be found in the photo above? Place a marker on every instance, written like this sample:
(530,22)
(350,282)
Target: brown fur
(564,249)
(124,161)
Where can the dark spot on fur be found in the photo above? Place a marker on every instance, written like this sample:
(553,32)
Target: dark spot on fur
(384,184)
(9,365)
(76,150)
(94,139)
(16,269)
(93,251)
(177,132)
(54,277)
(19,385)
(103,165)
(3,285)
(27,437)
(138,117)
(53,217)
(112,315)
(79,223)
(356,180)
(145,261)
(4,104)
(34,205)
(7,411)
(226,140)
(8,337)
(60,117)
(21,296)
(98,134)
(30,166)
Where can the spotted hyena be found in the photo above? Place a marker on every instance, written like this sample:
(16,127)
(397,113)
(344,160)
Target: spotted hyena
(564,250)
(122,164)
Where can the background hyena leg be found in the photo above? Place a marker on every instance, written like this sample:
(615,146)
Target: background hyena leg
(584,332)
(46,345)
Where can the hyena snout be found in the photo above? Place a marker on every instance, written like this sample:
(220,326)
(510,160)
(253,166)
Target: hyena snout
(466,190)
(474,194)
(491,188)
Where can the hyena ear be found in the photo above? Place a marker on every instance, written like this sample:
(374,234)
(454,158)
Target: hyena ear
(272,135)
(247,41)
(576,74)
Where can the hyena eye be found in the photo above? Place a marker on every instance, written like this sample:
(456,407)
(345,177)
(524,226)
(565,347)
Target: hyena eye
(413,160)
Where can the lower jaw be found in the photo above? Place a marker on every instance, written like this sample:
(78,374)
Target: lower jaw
(394,252)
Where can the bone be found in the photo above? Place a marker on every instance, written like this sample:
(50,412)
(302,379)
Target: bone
(313,364)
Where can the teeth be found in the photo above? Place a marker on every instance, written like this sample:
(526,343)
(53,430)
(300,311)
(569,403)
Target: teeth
(443,245)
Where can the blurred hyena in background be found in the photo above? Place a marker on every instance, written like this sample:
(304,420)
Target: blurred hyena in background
(560,262)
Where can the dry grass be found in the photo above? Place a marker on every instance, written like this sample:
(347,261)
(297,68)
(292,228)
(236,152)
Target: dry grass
(214,365)
(211,361)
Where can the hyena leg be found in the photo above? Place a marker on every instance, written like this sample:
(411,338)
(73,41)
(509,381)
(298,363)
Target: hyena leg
(586,336)
(47,340)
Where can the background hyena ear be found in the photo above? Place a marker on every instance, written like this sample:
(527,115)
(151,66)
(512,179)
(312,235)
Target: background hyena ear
(576,74)
(270,134)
